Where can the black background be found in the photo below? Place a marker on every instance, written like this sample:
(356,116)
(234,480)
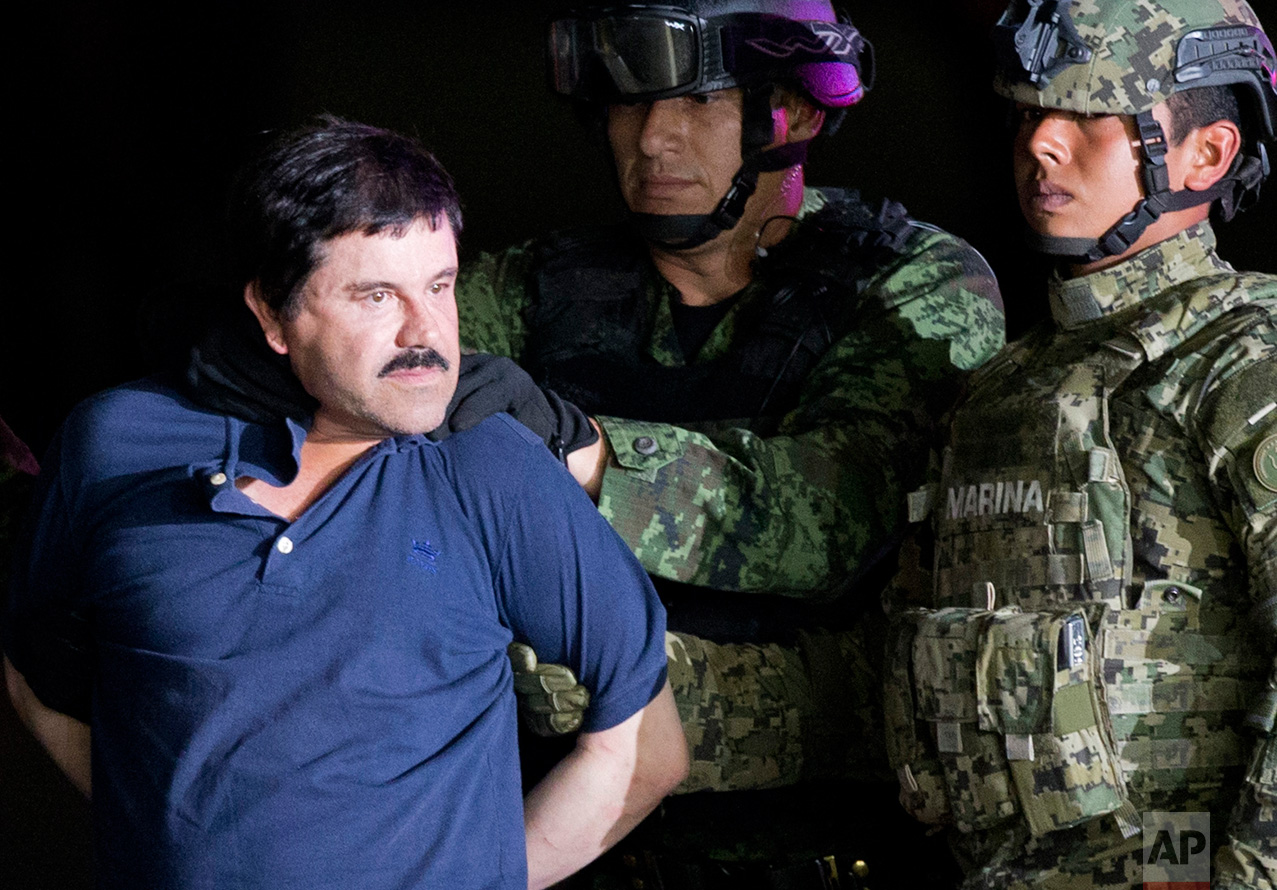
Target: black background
(127,121)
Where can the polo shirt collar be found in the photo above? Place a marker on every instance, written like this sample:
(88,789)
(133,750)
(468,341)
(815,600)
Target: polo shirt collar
(272,453)
(267,451)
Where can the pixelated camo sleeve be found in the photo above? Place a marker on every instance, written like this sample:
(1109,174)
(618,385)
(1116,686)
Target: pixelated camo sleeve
(799,512)
(1238,430)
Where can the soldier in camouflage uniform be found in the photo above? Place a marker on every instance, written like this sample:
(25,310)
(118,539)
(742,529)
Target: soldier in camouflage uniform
(1098,641)
(763,361)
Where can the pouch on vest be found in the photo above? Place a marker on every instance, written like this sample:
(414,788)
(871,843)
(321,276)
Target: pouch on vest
(1010,703)
(973,766)
(922,790)
(1035,687)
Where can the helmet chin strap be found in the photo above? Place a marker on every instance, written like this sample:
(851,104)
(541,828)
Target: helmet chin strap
(1245,175)
(685,231)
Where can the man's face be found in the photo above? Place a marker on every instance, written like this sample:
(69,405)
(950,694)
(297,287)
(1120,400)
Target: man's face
(1077,175)
(676,156)
(374,338)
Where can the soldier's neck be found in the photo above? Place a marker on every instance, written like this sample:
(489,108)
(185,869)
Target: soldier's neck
(723,266)
(706,275)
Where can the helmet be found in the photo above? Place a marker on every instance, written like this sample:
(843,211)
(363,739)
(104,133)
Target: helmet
(642,52)
(1126,56)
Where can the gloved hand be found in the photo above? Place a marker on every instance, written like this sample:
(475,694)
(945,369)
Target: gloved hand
(488,384)
(233,371)
(551,701)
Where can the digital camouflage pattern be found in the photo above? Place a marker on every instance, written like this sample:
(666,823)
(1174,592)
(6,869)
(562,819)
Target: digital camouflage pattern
(742,711)
(1106,463)
(1133,48)
(756,716)
(766,715)
(795,513)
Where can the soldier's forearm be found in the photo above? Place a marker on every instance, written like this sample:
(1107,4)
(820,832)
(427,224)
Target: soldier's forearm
(765,716)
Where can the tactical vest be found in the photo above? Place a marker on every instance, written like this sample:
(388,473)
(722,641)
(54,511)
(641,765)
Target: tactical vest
(1055,682)
(593,315)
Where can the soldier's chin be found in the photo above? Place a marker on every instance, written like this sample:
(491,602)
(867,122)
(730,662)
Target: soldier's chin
(1052,227)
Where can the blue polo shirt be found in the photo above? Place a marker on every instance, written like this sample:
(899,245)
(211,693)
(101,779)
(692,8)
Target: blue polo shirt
(318,703)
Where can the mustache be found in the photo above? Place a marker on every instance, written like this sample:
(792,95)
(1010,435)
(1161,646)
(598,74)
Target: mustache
(414,358)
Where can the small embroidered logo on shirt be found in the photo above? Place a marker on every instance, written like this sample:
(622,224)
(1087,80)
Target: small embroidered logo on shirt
(423,555)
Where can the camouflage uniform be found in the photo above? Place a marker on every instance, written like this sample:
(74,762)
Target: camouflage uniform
(1105,575)
(790,500)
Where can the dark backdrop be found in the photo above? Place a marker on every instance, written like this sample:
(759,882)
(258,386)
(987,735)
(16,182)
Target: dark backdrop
(129,121)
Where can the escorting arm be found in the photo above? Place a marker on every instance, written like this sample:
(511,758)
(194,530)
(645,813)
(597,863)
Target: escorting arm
(602,789)
(755,715)
(65,738)
(795,512)
(800,512)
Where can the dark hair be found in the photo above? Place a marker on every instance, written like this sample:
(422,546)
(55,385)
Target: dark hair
(323,181)
(1199,107)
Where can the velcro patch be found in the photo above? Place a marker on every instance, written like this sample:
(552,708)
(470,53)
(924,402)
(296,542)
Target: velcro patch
(1265,463)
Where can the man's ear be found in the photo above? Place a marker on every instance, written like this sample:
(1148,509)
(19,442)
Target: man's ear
(1212,149)
(803,119)
(266,317)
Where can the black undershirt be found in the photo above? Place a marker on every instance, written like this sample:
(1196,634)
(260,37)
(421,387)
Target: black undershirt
(694,324)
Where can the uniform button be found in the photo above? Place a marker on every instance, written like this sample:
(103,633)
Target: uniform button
(645,445)
(284,544)
(217,479)
(1171,595)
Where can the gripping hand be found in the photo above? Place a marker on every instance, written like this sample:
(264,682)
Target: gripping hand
(488,384)
(551,701)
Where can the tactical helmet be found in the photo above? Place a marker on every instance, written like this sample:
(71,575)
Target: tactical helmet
(1126,56)
(642,52)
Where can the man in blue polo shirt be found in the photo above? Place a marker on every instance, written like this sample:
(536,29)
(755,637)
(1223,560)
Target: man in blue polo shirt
(284,644)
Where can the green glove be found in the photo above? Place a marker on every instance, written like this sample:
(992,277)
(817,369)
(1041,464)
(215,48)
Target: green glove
(551,701)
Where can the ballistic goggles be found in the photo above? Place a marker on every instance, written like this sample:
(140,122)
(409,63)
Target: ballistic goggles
(643,54)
